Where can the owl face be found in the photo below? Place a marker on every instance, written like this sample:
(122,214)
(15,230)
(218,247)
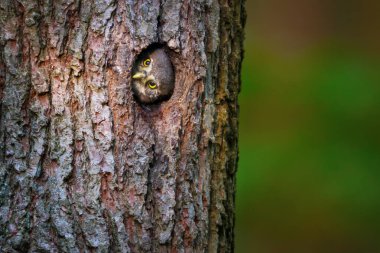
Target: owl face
(153,77)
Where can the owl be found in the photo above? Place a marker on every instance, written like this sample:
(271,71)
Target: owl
(153,77)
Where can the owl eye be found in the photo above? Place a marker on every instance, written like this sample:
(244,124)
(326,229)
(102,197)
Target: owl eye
(146,62)
(152,85)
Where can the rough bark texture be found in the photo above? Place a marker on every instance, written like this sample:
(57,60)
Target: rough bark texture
(83,167)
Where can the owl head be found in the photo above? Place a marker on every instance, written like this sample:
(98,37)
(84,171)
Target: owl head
(153,77)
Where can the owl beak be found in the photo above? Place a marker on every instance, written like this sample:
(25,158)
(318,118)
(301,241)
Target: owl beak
(138,75)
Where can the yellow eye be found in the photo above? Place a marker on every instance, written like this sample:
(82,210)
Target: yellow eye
(146,62)
(152,85)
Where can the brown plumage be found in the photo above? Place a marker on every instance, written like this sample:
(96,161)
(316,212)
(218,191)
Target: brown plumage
(153,77)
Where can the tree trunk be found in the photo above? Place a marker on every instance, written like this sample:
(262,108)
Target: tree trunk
(86,168)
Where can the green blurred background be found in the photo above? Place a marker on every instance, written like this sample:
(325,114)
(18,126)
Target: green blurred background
(309,167)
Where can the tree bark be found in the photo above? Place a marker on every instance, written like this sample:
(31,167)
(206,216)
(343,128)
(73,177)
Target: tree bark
(83,166)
